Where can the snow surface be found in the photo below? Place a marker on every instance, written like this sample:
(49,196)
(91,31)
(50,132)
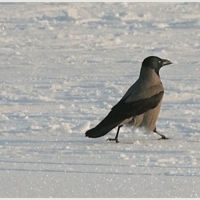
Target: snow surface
(63,66)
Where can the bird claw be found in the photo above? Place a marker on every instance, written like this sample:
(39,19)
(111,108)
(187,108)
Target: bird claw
(163,138)
(113,139)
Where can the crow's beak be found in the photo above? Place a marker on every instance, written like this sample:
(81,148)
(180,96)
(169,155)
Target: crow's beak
(166,62)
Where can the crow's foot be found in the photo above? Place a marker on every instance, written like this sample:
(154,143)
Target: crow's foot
(113,139)
(163,138)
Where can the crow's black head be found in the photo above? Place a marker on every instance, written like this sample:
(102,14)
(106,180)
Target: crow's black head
(155,63)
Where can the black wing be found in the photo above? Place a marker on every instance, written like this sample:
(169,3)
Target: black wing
(121,111)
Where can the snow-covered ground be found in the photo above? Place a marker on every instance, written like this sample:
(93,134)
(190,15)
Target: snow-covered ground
(63,66)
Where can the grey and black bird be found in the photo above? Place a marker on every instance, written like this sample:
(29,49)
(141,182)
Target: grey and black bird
(140,105)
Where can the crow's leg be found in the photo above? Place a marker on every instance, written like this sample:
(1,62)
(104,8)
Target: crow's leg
(162,136)
(116,137)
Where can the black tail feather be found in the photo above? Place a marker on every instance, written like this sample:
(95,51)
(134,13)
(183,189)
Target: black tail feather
(99,131)
(106,125)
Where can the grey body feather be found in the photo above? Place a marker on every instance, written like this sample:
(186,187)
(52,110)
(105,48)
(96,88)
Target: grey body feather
(146,86)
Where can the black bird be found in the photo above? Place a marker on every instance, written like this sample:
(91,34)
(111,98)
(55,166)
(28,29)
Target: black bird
(140,105)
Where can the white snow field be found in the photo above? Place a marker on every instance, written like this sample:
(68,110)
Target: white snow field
(62,68)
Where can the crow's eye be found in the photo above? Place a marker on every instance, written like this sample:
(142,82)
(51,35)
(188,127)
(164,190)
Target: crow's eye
(159,61)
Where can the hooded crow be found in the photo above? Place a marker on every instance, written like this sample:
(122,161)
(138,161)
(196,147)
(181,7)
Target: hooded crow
(140,105)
